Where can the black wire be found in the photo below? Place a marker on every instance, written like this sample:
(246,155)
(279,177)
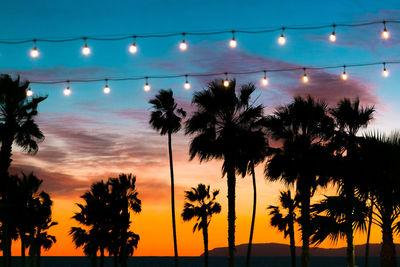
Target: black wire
(213,73)
(206,33)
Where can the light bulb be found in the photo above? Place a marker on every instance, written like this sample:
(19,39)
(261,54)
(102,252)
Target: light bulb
(264,81)
(233,43)
(67,91)
(344,76)
(86,50)
(147,86)
(187,85)
(332,37)
(107,89)
(282,39)
(385,34)
(29,93)
(133,48)
(385,72)
(183,45)
(226,82)
(34,52)
(305,78)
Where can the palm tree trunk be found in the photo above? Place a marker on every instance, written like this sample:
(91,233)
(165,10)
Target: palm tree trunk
(38,256)
(173,199)
(205,239)
(388,253)
(101,257)
(231,213)
(305,193)
(23,252)
(369,231)
(292,244)
(115,260)
(349,227)
(253,218)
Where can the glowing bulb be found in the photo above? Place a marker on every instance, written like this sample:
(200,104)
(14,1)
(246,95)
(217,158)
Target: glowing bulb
(344,76)
(385,72)
(67,91)
(187,85)
(332,37)
(226,83)
(282,39)
(183,45)
(107,89)
(133,48)
(385,34)
(233,43)
(305,78)
(86,50)
(29,93)
(147,86)
(34,52)
(264,81)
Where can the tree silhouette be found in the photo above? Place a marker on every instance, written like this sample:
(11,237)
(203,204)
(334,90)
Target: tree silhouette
(17,125)
(304,127)
(285,223)
(201,205)
(219,125)
(166,118)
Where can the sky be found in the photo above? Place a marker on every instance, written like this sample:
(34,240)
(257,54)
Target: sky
(91,136)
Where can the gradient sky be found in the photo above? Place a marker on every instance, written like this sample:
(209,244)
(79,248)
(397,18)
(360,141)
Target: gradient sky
(91,136)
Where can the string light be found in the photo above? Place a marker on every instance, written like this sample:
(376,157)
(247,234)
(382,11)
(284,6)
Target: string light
(67,91)
(332,37)
(344,74)
(305,77)
(147,86)
(226,81)
(34,51)
(233,42)
(29,92)
(282,39)
(183,44)
(133,47)
(187,84)
(385,33)
(385,72)
(106,89)
(85,49)
(264,81)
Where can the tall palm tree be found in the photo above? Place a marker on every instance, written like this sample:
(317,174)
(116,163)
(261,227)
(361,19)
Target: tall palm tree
(166,118)
(201,205)
(380,168)
(303,127)
(349,117)
(220,127)
(17,125)
(95,216)
(285,223)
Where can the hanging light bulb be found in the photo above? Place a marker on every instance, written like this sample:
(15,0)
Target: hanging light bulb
(187,84)
(147,86)
(344,74)
(133,47)
(106,89)
(67,91)
(226,81)
(332,37)
(85,49)
(385,33)
(29,92)
(282,39)
(264,81)
(34,51)
(183,45)
(305,77)
(385,72)
(233,42)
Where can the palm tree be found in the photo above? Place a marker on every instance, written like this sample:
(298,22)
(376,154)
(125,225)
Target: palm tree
(383,151)
(303,127)
(201,205)
(94,215)
(220,127)
(17,125)
(349,118)
(123,198)
(39,237)
(285,223)
(166,118)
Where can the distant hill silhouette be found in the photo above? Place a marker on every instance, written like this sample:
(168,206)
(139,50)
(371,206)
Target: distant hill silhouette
(282,250)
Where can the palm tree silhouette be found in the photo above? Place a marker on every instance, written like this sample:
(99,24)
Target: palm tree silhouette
(377,149)
(304,127)
(201,205)
(166,118)
(349,118)
(17,125)
(285,223)
(94,215)
(219,126)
